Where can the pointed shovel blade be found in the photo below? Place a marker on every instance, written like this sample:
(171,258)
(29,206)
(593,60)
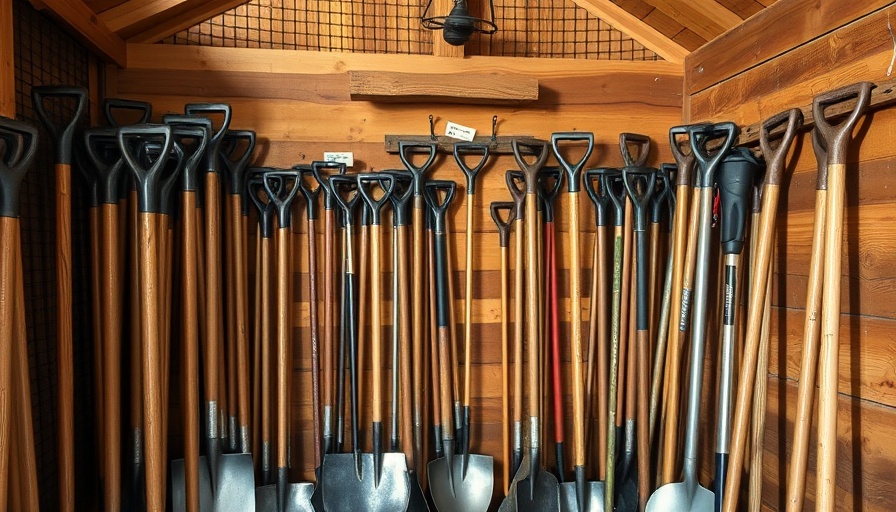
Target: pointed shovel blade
(343,490)
(470,494)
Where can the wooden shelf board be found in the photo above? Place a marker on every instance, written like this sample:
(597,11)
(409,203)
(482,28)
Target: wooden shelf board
(389,86)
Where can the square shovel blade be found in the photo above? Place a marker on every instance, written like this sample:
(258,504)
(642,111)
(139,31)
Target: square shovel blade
(179,492)
(235,483)
(594,497)
(470,494)
(343,490)
(544,498)
(681,497)
(298,498)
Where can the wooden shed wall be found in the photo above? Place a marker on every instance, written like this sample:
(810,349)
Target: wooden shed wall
(781,59)
(299,104)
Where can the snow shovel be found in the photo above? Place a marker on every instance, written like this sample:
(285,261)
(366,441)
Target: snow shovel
(689,495)
(640,183)
(141,109)
(281,188)
(580,495)
(232,475)
(539,491)
(63,133)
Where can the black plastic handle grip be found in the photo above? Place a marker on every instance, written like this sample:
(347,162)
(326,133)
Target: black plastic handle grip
(176,161)
(516,185)
(820,147)
(405,149)
(503,225)
(365,183)
(641,142)
(735,182)
(660,197)
(255,178)
(837,137)
(65,130)
(573,170)
(549,190)
(679,141)
(700,137)
(612,182)
(199,135)
(309,192)
(640,184)
(317,169)
(214,144)
(774,157)
(530,171)
(235,161)
(143,108)
(101,147)
(470,148)
(439,204)
(344,188)
(15,163)
(401,197)
(598,193)
(283,193)
(148,180)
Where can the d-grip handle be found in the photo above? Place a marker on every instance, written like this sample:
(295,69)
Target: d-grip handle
(405,149)
(573,170)
(518,193)
(317,168)
(642,195)
(168,180)
(684,161)
(234,161)
(439,205)
(470,148)
(148,180)
(837,136)
(735,182)
(62,133)
(198,132)
(101,146)
(549,194)
(283,193)
(214,144)
(820,147)
(375,206)
(612,182)
(663,188)
(774,157)
(15,163)
(401,197)
(310,194)
(700,137)
(530,171)
(503,225)
(642,142)
(598,194)
(112,104)
(344,188)
(259,195)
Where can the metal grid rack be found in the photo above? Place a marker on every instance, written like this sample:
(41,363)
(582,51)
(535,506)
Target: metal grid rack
(550,29)
(46,55)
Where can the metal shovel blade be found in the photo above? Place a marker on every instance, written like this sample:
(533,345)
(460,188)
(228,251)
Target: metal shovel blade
(417,502)
(298,498)
(594,497)
(178,487)
(509,502)
(343,490)
(235,484)
(678,497)
(538,493)
(470,494)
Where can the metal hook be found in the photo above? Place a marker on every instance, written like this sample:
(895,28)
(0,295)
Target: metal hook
(432,128)
(495,129)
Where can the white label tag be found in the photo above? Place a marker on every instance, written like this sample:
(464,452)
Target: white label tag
(340,157)
(457,131)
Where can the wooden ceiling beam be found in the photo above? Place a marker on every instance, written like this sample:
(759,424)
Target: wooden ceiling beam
(706,18)
(134,12)
(197,13)
(86,27)
(622,20)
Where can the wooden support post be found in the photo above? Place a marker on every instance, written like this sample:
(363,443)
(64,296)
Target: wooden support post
(7,62)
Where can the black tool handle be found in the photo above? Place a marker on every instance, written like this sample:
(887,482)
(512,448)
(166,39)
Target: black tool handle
(101,147)
(517,187)
(600,198)
(774,157)
(284,194)
(503,225)
(147,179)
(401,197)
(63,132)
(685,161)
(344,188)
(143,108)
(549,190)
(663,187)
(700,137)
(470,148)
(640,195)
(15,163)
(255,179)
(611,181)
(405,149)
(309,192)
(365,184)
(199,133)
(837,136)
(642,142)
(235,160)
(573,170)
(214,144)
(735,182)
(530,171)
(317,169)
(438,203)
(176,162)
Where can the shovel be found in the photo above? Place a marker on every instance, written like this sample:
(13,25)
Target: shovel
(519,211)
(689,495)
(580,495)
(281,188)
(141,109)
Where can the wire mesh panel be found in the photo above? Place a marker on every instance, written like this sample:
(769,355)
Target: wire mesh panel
(45,55)
(547,28)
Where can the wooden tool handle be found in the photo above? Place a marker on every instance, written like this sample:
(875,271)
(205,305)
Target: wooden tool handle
(837,137)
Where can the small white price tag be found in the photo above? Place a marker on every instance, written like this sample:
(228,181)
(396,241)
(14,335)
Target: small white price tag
(342,157)
(461,132)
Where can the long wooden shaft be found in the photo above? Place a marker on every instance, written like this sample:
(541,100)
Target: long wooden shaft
(627,261)
(111,303)
(136,365)
(760,398)
(190,347)
(213,307)
(418,331)
(329,321)
(575,290)
(265,318)
(505,367)
(376,335)
(315,337)
(231,350)
(8,249)
(532,325)
(518,308)
(468,300)
(403,303)
(96,285)
(256,358)
(613,382)
(284,326)
(65,363)
(242,323)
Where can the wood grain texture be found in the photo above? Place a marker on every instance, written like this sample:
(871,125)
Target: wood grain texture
(87,28)
(707,18)
(201,11)
(7,62)
(438,88)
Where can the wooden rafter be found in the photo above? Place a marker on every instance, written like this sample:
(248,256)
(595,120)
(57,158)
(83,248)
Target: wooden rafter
(78,17)
(706,18)
(198,13)
(636,28)
(134,16)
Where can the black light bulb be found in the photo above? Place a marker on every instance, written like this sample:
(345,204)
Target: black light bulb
(458,26)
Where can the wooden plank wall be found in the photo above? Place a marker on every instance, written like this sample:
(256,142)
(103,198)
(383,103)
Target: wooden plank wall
(781,59)
(299,104)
